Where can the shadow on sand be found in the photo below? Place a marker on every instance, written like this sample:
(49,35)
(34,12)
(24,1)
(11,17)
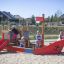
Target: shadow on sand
(6,52)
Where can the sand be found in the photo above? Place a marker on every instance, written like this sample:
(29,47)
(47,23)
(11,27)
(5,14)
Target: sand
(28,58)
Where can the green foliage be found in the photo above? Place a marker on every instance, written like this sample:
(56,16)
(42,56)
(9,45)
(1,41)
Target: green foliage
(53,30)
(47,30)
(52,18)
(55,17)
(33,20)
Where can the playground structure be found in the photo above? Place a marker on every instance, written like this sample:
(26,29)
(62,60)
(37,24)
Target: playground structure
(53,48)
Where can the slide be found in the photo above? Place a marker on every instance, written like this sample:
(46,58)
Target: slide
(3,44)
(54,48)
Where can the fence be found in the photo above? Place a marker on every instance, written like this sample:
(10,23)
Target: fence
(33,29)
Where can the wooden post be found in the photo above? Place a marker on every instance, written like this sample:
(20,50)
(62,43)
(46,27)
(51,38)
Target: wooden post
(3,36)
(43,32)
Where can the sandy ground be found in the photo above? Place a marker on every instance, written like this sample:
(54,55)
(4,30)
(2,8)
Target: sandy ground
(28,58)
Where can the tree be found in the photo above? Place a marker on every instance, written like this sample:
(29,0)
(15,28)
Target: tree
(33,20)
(52,18)
(55,18)
(48,19)
(0,20)
(58,13)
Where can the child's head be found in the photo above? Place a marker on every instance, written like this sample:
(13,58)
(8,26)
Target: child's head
(61,32)
(38,32)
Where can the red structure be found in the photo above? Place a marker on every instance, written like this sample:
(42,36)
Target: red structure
(54,48)
(4,45)
(41,19)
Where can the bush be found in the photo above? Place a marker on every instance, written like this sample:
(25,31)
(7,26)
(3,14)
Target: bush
(53,30)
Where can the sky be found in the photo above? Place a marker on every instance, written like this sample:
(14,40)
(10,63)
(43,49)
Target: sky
(27,8)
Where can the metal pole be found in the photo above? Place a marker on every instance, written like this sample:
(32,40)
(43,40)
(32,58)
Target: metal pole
(19,21)
(27,25)
(28,31)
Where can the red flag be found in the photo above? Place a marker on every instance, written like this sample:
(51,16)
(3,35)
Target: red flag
(41,19)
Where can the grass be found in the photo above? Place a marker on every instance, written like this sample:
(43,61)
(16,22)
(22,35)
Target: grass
(52,36)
